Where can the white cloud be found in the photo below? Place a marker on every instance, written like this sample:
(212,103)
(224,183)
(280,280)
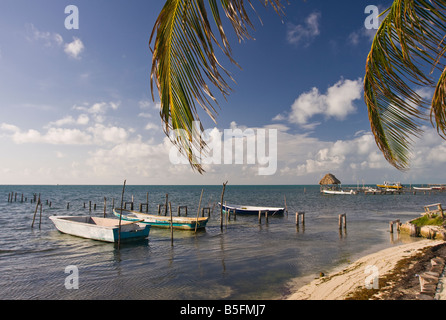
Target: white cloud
(74,48)
(151,126)
(111,134)
(304,33)
(50,39)
(69,120)
(337,102)
(98,107)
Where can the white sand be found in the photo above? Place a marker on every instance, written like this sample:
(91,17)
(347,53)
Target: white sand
(338,285)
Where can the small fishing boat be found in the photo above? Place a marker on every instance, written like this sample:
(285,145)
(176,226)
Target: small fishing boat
(339,191)
(252,209)
(422,188)
(182,223)
(102,229)
(388,185)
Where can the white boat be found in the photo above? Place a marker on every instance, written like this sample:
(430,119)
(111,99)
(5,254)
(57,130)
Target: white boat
(157,221)
(422,188)
(103,229)
(239,209)
(339,191)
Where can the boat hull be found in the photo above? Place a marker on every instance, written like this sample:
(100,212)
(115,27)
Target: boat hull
(157,221)
(101,229)
(338,192)
(252,210)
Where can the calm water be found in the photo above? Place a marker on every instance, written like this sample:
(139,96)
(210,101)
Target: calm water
(244,261)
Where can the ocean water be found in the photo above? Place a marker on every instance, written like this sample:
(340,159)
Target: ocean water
(246,260)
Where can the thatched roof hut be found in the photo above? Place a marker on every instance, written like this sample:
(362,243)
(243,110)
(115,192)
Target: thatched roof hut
(329,179)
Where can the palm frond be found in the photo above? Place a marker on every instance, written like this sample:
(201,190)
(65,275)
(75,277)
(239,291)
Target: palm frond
(185,66)
(438,110)
(405,49)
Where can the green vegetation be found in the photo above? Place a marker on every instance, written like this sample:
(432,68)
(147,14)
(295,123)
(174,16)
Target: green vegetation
(434,220)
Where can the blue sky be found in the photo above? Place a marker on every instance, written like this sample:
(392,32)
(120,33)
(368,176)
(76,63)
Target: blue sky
(76,107)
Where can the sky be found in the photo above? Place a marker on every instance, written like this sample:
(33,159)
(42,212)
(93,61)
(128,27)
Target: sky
(76,104)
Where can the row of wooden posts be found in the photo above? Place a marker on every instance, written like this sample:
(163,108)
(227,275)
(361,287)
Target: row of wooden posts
(299,218)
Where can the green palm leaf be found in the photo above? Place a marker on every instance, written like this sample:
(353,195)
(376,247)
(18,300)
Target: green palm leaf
(406,51)
(185,66)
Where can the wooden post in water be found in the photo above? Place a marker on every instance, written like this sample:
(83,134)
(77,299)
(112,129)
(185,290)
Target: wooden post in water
(105,206)
(165,206)
(298,217)
(221,206)
(40,218)
(260,216)
(391,223)
(342,221)
(286,208)
(171,225)
(198,211)
(120,217)
(35,211)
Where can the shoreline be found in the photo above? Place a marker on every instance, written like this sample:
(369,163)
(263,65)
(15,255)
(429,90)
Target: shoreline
(338,285)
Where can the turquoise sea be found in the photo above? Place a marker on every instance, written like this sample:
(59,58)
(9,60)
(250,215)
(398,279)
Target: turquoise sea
(246,260)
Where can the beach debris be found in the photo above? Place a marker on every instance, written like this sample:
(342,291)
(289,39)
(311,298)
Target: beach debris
(429,280)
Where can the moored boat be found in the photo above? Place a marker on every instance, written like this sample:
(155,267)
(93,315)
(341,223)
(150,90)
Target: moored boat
(389,185)
(339,191)
(102,229)
(239,209)
(182,223)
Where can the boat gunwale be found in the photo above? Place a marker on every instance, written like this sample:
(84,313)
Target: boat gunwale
(64,219)
(176,219)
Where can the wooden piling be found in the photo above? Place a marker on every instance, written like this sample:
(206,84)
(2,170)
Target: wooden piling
(105,206)
(208,209)
(40,217)
(286,208)
(392,223)
(120,216)
(198,211)
(221,207)
(342,221)
(35,211)
(260,216)
(300,216)
(179,210)
(171,225)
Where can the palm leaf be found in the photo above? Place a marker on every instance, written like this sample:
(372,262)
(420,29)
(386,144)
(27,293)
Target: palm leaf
(185,66)
(405,53)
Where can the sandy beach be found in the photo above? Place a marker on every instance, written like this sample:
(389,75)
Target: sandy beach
(339,285)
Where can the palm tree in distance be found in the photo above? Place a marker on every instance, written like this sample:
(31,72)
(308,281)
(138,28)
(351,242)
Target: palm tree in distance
(406,53)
